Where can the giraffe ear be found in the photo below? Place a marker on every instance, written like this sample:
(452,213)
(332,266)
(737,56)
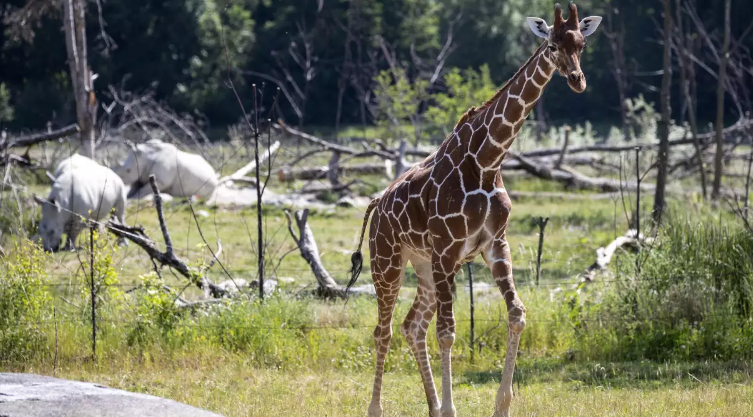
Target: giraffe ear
(539,27)
(589,25)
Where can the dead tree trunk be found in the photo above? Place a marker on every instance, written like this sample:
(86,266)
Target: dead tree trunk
(401,164)
(564,147)
(619,68)
(332,171)
(686,72)
(718,158)
(74,23)
(663,130)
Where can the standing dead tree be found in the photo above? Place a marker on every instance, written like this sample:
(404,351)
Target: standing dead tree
(663,126)
(74,24)
(615,33)
(682,44)
(718,157)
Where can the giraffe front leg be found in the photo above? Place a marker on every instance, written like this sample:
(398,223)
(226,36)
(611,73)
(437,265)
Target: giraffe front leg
(444,267)
(498,260)
(414,330)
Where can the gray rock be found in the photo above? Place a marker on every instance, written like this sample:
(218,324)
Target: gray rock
(25,395)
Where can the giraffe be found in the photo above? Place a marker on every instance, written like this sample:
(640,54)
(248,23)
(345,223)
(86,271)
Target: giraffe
(453,206)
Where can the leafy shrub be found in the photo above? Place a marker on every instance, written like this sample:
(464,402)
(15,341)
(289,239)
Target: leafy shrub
(6,110)
(155,310)
(692,299)
(24,298)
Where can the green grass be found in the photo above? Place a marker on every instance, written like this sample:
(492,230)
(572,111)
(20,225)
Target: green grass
(294,355)
(233,388)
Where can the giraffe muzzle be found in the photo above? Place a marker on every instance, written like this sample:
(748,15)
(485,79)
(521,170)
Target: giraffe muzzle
(577,81)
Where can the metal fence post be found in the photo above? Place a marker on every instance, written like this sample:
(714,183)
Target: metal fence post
(473,323)
(92,292)
(542,225)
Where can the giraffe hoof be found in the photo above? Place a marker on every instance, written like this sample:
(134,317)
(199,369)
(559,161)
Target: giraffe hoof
(375,410)
(449,412)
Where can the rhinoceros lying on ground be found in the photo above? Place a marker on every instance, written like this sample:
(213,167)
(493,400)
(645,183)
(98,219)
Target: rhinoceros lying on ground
(84,191)
(177,173)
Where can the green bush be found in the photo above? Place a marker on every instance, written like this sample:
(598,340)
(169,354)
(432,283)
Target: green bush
(6,110)
(691,300)
(154,310)
(24,299)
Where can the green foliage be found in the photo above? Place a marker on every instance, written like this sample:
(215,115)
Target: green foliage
(464,89)
(6,110)
(398,103)
(154,310)
(109,299)
(692,299)
(226,34)
(643,116)
(24,299)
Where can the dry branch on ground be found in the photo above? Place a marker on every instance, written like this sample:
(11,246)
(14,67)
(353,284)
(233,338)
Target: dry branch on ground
(137,235)
(327,287)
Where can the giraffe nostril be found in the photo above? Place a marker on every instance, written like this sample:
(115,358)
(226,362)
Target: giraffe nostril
(576,76)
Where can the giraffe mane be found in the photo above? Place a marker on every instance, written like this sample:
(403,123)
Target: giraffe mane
(474,111)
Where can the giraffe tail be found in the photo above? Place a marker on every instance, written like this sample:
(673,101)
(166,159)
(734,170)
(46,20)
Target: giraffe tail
(356,260)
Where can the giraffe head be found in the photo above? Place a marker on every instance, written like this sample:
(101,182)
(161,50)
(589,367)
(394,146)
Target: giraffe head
(566,41)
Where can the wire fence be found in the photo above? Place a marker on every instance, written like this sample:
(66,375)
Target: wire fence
(73,266)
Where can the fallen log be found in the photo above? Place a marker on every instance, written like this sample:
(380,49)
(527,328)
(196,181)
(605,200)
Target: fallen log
(331,146)
(316,188)
(29,140)
(288,174)
(632,241)
(327,287)
(706,137)
(574,179)
(241,173)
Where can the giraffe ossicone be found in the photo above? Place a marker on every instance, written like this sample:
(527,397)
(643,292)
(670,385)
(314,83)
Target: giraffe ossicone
(453,206)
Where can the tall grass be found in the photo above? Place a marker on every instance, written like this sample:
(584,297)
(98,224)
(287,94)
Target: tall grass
(691,300)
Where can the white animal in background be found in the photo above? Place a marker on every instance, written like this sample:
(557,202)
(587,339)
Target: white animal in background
(177,173)
(74,161)
(81,192)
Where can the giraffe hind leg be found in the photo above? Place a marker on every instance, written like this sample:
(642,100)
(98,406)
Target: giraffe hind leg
(415,326)
(387,272)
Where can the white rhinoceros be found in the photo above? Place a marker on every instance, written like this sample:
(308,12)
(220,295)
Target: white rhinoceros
(177,173)
(74,161)
(80,193)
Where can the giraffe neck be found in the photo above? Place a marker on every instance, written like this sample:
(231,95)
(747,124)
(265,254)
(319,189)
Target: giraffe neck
(494,129)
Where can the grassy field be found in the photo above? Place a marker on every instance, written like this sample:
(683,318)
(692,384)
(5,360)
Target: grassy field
(294,355)
(233,388)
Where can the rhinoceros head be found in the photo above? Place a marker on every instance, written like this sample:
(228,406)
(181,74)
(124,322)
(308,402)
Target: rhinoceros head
(129,171)
(52,224)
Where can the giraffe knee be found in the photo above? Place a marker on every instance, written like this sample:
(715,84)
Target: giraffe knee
(446,339)
(412,331)
(382,334)
(517,318)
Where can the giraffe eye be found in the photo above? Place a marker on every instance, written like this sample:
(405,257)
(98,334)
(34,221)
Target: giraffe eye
(552,47)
